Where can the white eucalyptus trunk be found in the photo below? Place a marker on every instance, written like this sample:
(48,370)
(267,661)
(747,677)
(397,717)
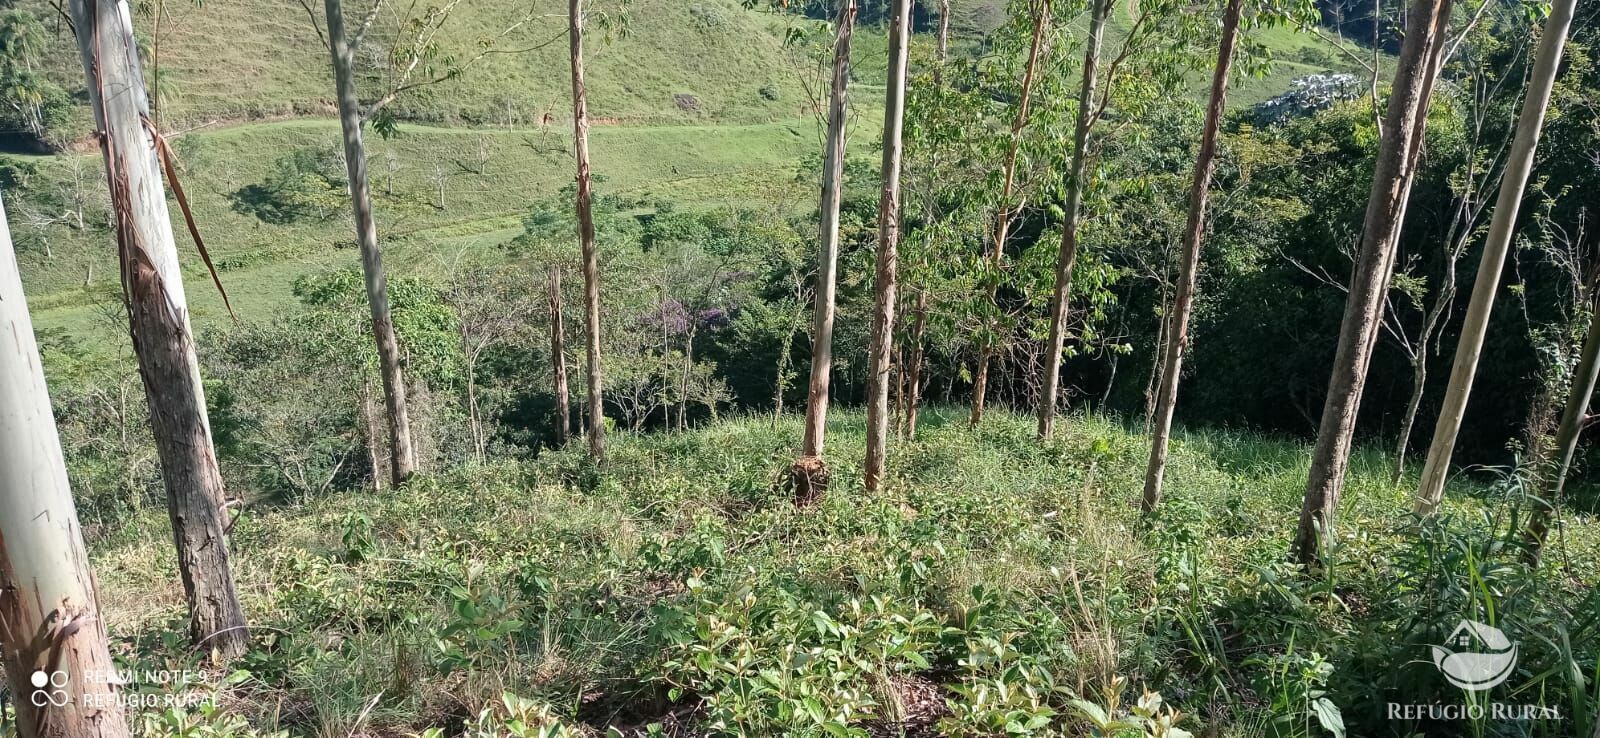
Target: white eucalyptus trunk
(1513,183)
(47,592)
(402,459)
(885,285)
(596,432)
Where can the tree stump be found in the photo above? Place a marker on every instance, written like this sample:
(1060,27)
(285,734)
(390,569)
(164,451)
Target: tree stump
(808,479)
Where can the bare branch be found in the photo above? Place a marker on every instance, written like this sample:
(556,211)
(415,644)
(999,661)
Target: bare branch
(315,24)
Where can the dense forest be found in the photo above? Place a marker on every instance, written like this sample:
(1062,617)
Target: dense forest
(799,368)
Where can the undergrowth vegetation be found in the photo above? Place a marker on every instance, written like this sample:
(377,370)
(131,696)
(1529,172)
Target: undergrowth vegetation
(995,587)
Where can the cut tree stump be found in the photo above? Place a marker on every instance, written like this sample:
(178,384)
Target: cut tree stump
(808,479)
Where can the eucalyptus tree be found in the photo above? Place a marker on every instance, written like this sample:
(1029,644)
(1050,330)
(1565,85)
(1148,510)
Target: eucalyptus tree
(1077,174)
(809,474)
(1039,15)
(1177,331)
(595,431)
(1404,125)
(158,317)
(558,354)
(415,63)
(911,369)
(50,620)
(402,456)
(884,285)
(1513,183)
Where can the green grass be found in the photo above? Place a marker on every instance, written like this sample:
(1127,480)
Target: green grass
(986,532)
(260,59)
(690,164)
(229,61)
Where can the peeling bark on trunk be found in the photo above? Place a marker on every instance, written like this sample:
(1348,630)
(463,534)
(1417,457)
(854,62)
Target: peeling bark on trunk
(558,358)
(1404,125)
(1513,183)
(1069,230)
(885,289)
(402,457)
(596,430)
(809,474)
(1194,237)
(1002,231)
(49,617)
(158,316)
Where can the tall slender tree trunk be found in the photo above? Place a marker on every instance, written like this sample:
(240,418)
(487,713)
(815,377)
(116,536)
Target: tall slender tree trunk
(158,319)
(809,476)
(943,48)
(1002,230)
(1408,421)
(1405,123)
(474,419)
(1573,419)
(884,285)
(1194,236)
(558,358)
(1069,230)
(685,378)
(1513,182)
(919,312)
(919,329)
(402,456)
(50,622)
(370,433)
(596,431)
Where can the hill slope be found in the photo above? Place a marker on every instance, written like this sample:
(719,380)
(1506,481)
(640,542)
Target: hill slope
(260,58)
(988,563)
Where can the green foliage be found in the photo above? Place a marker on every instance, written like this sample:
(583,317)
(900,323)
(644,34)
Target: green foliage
(305,184)
(770,661)
(34,105)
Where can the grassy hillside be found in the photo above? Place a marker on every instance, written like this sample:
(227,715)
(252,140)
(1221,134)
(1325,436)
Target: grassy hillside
(679,585)
(740,139)
(685,62)
(259,260)
(261,58)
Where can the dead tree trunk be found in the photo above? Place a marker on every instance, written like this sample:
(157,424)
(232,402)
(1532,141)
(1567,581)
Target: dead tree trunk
(558,358)
(1194,236)
(1069,230)
(980,377)
(1513,182)
(50,622)
(884,284)
(158,319)
(1405,122)
(402,457)
(809,475)
(596,430)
